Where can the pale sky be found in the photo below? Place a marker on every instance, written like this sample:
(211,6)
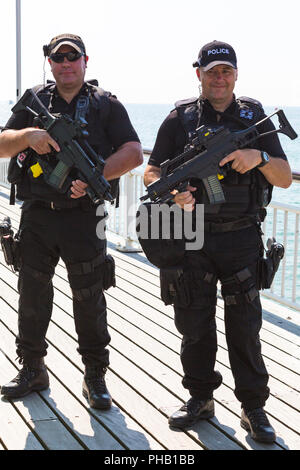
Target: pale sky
(143,50)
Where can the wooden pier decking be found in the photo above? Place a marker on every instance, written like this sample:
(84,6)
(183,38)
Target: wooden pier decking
(145,374)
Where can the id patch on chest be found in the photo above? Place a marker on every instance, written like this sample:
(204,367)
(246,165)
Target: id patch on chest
(246,114)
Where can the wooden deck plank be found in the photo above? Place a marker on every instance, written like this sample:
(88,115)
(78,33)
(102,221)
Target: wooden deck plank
(288,376)
(288,320)
(141,403)
(69,305)
(145,373)
(288,359)
(155,419)
(69,301)
(172,381)
(38,415)
(165,354)
(159,394)
(73,416)
(56,415)
(118,423)
(174,339)
(15,433)
(150,418)
(149,290)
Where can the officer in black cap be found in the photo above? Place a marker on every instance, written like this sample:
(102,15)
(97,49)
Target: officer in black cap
(55,225)
(232,243)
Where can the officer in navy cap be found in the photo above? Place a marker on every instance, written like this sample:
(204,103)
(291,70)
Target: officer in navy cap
(216,53)
(55,225)
(232,244)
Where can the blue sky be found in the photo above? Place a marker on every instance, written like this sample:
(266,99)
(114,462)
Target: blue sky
(143,50)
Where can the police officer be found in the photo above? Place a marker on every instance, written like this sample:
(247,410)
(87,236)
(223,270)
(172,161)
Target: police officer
(232,243)
(55,225)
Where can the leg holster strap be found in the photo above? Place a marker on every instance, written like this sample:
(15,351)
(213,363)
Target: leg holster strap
(239,298)
(87,292)
(38,275)
(86,266)
(201,274)
(243,281)
(107,279)
(176,284)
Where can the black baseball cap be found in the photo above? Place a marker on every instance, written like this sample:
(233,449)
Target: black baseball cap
(68,39)
(216,53)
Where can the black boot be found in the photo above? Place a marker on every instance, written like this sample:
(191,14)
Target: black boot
(191,412)
(32,377)
(257,423)
(94,388)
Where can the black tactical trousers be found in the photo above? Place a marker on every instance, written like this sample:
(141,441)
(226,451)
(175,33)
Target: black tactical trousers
(46,236)
(224,254)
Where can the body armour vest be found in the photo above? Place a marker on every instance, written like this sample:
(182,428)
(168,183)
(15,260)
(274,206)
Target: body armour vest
(32,187)
(245,193)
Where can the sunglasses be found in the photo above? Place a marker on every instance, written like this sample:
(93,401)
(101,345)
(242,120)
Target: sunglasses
(60,56)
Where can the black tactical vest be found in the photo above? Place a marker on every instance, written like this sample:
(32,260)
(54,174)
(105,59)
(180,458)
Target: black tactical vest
(244,193)
(29,187)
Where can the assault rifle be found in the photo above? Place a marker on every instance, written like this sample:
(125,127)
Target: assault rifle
(201,159)
(75,150)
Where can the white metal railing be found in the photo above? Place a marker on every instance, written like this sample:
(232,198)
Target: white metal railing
(4,162)
(282,222)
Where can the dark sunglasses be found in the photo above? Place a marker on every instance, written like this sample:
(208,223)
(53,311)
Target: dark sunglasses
(60,56)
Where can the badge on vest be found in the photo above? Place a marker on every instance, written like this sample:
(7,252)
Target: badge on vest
(246,113)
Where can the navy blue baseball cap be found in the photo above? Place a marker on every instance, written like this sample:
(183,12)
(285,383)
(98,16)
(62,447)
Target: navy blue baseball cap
(216,53)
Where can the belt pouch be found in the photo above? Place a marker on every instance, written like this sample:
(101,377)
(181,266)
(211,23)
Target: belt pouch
(174,287)
(109,276)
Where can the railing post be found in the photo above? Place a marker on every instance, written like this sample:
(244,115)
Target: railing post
(294,290)
(127,216)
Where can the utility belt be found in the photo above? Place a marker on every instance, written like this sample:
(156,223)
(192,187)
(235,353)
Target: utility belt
(222,227)
(61,205)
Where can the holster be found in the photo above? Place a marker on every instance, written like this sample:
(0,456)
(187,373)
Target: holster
(109,274)
(11,251)
(267,267)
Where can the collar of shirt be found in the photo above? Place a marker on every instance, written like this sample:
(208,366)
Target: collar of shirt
(59,105)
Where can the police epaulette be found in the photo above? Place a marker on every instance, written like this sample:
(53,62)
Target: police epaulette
(246,99)
(186,102)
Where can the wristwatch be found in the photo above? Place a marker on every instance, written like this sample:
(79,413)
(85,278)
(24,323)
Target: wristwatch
(264,159)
